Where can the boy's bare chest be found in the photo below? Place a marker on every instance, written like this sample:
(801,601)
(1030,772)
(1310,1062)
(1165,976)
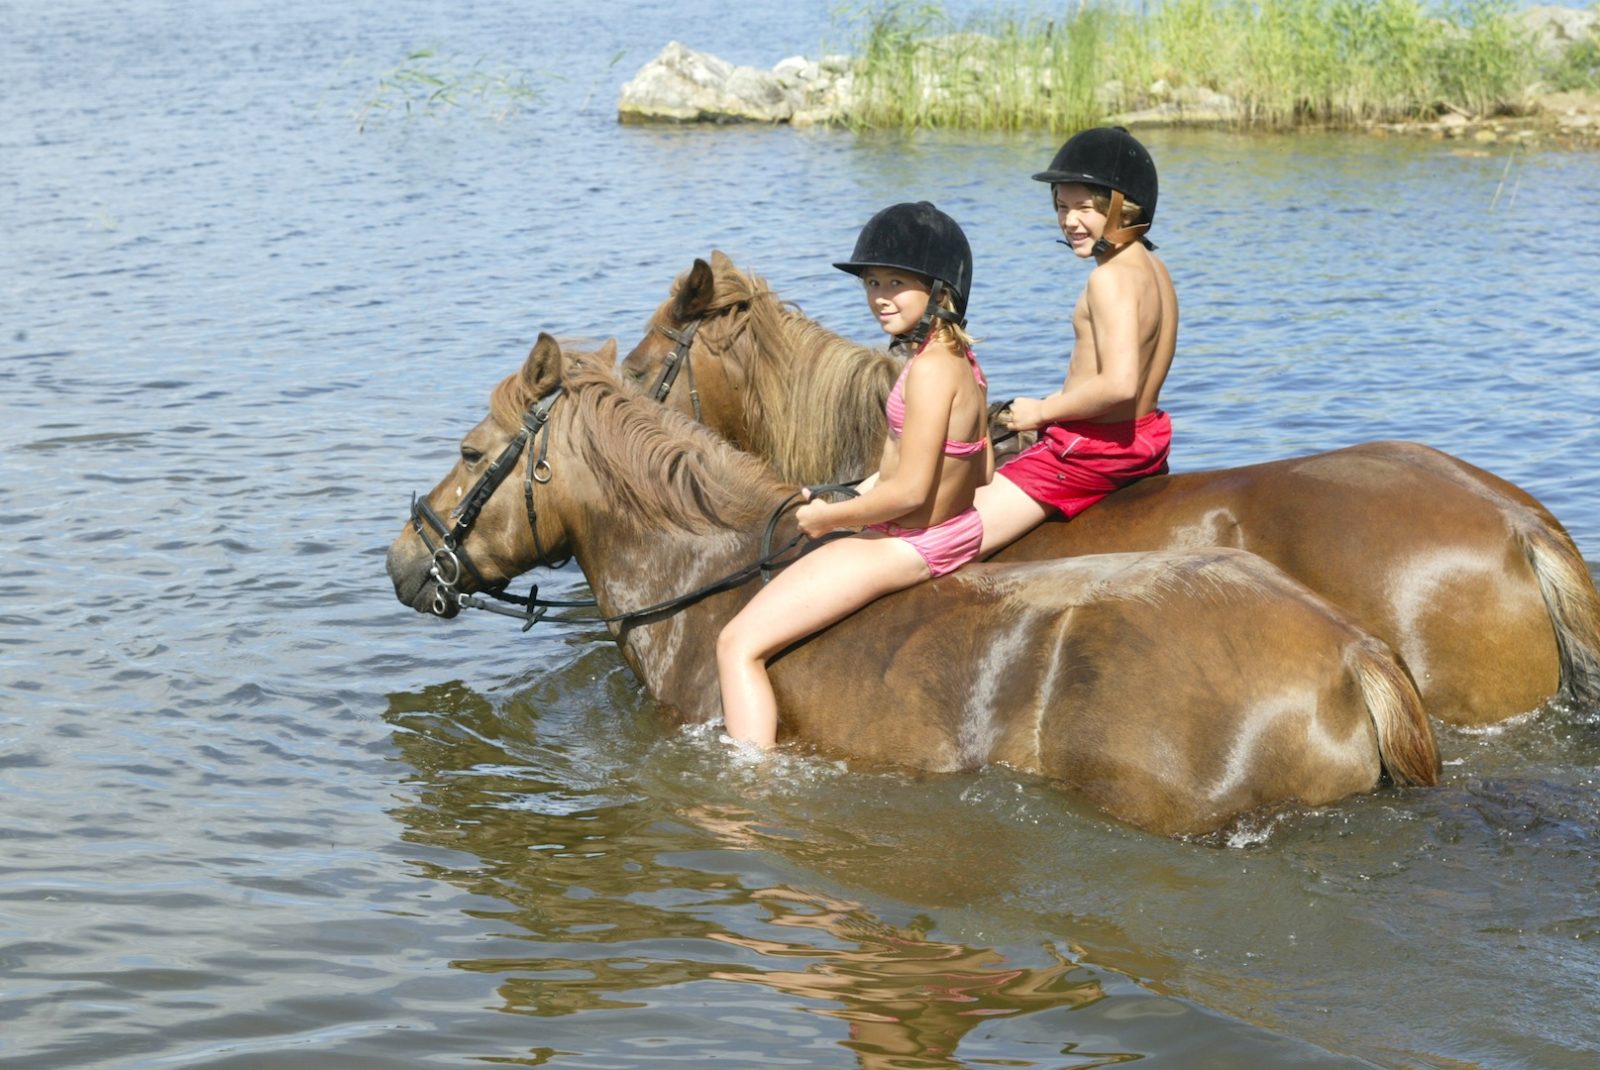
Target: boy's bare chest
(1083,347)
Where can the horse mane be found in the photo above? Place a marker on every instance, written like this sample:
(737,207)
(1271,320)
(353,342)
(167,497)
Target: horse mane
(814,399)
(654,462)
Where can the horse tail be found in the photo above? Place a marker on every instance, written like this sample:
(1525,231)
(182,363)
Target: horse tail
(1564,581)
(1573,603)
(1406,742)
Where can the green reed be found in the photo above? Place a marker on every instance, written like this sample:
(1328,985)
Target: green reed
(1295,61)
(427,83)
(1283,62)
(917,68)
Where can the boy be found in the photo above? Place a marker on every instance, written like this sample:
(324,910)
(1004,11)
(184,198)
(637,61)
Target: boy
(1104,428)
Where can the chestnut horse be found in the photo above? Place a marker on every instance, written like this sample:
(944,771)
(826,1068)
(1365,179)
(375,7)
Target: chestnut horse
(1468,578)
(1176,691)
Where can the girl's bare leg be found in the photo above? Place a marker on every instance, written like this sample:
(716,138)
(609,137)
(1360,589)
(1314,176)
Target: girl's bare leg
(824,586)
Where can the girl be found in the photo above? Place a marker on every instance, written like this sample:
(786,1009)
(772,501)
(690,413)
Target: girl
(916,267)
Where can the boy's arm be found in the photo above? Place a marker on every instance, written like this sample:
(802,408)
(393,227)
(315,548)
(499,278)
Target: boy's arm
(1112,298)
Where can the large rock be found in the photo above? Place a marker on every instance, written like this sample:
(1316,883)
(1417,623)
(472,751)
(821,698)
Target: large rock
(682,85)
(1182,106)
(823,87)
(1556,29)
(685,86)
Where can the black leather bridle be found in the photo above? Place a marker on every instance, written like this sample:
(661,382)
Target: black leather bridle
(449,552)
(676,361)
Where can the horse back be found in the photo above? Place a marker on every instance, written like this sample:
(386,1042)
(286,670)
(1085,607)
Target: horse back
(1174,691)
(1467,576)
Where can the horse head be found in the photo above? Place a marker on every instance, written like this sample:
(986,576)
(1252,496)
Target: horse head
(496,513)
(728,351)
(683,360)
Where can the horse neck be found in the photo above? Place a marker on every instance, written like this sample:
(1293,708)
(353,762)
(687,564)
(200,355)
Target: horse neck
(815,398)
(631,565)
(672,652)
(634,558)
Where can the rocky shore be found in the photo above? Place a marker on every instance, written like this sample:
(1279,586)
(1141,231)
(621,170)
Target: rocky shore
(681,85)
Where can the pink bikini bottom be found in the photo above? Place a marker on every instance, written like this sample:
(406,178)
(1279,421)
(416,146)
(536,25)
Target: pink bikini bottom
(945,547)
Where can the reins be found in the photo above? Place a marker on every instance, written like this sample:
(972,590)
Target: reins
(450,556)
(536,607)
(995,409)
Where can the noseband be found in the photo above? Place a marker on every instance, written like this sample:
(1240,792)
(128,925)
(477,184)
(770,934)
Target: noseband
(677,360)
(449,552)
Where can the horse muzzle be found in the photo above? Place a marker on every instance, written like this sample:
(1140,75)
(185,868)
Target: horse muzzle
(417,579)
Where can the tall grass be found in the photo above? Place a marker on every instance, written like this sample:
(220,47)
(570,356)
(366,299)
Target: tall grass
(917,68)
(1282,62)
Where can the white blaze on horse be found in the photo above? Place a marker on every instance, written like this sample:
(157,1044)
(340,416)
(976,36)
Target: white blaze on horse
(1467,577)
(1175,691)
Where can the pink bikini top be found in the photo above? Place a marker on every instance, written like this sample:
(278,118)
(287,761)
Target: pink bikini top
(895,409)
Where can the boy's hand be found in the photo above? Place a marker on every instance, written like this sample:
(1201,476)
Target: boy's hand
(1024,414)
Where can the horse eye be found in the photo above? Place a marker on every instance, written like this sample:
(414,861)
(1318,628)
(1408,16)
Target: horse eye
(470,455)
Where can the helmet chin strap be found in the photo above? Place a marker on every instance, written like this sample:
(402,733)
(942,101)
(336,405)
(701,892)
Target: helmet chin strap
(1115,239)
(918,334)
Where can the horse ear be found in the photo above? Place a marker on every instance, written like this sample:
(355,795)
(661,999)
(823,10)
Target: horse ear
(608,352)
(542,370)
(696,293)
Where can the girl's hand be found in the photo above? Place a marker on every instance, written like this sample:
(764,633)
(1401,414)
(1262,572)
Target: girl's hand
(1024,414)
(813,519)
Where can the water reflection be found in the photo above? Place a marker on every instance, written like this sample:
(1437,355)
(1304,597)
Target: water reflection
(634,890)
(572,860)
(908,1000)
(620,907)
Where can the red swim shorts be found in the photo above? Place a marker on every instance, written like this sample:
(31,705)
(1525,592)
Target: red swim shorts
(1075,464)
(945,546)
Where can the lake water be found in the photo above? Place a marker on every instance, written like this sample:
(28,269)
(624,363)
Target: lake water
(258,814)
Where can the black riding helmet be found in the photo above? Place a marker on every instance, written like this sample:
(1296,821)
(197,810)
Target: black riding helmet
(918,237)
(1109,156)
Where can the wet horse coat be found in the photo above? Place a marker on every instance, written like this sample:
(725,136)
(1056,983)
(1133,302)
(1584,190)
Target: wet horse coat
(1471,580)
(1175,690)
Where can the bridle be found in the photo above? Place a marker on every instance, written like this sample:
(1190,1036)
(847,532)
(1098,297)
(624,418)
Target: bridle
(676,361)
(449,553)
(450,558)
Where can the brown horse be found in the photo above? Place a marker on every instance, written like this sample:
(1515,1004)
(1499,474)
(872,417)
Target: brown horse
(1473,582)
(1174,690)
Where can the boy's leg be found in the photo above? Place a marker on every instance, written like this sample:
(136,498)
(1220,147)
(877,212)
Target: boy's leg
(1007,511)
(824,586)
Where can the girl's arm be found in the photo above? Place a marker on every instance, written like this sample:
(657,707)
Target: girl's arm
(930,395)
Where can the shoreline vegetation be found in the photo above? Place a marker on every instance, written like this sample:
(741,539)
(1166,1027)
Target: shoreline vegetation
(1481,69)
